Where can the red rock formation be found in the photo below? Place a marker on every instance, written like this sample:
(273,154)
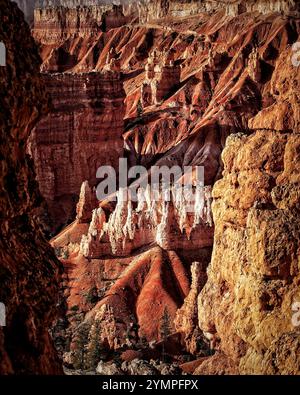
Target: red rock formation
(55,23)
(28,267)
(131,290)
(140,278)
(216,73)
(86,204)
(162,78)
(81,133)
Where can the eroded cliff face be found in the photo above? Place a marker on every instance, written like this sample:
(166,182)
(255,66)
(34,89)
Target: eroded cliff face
(253,279)
(211,73)
(55,22)
(29,270)
(82,131)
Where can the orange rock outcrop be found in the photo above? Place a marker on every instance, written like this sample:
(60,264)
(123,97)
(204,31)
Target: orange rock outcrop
(82,131)
(253,279)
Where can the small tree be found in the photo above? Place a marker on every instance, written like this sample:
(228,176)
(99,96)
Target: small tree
(95,348)
(66,254)
(92,295)
(165,327)
(81,342)
(132,331)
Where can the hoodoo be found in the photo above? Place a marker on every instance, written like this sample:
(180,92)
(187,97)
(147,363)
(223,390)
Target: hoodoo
(151,285)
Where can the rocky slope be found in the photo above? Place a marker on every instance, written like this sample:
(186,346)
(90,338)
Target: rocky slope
(193,73)
(29,270)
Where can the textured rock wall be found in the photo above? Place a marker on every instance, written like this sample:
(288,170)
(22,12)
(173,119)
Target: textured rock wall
(28,267)
(126,11)
(153,10)
(53,24)
(227,74)
(162,79)
(253,279)
(82,132)
(186,320)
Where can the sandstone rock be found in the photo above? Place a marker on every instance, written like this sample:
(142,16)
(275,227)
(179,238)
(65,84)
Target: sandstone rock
(140,367)
(162,78)
(166,223)
(130,355)
(247,301)
(190,367)
(82,132)
(86,204)
(219,364)
(141,282)
(186,320)
(283,114)
(55,21)
(108,369)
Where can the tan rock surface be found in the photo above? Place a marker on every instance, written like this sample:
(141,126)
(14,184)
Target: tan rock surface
(253,279)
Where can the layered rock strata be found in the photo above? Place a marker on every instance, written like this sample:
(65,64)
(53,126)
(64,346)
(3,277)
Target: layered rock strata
(82,132)
(54,23)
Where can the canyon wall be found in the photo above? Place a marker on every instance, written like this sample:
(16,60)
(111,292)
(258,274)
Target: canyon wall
(110,14)
(157,9)
(82,131)
(29,270)
(253,279)
(194,87)
(62,21)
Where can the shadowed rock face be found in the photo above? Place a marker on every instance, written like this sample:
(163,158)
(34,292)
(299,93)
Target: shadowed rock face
(28,267)
(82,131)
(189,84)
(27,6)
